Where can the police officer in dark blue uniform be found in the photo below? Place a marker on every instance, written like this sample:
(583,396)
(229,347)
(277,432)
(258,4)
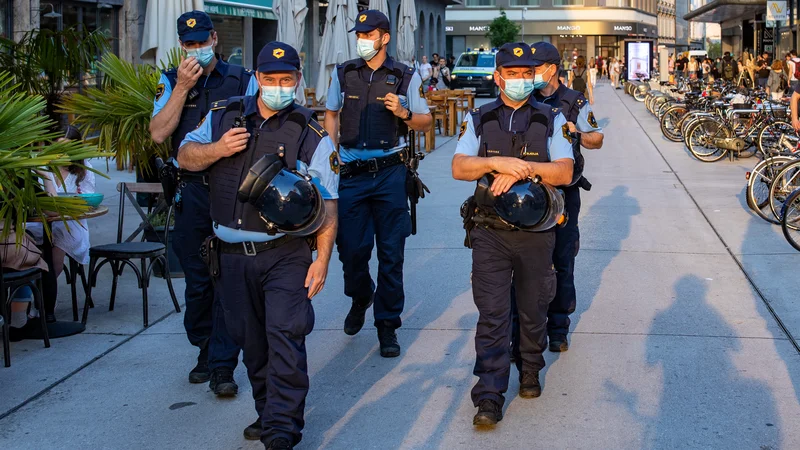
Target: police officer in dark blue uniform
(380,99)
(183,97)
(266,278)
(582,124)
(514,138)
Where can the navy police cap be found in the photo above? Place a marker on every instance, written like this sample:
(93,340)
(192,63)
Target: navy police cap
(545,52)
(278,57)
(513,55)
(194,26)
(369,20)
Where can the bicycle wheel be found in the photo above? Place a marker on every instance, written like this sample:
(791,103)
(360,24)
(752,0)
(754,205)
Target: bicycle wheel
(638,93)
(759,182)
(669,123)
(770,135)
(790,224)
(701,141)
(784,183)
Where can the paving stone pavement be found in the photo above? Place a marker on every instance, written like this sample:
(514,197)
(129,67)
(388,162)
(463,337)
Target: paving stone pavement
(673,345)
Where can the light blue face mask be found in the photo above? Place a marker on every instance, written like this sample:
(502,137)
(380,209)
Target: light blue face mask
(277,97)
(539,82)
(518,89)
(204,55)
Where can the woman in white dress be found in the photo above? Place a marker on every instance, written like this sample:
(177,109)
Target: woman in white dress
(593,71)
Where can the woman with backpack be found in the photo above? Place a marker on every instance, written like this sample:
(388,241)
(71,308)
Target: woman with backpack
(579,80)
(776,80)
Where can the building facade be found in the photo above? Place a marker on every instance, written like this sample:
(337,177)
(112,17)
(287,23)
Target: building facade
(666,23)
(594,27)
(744,27)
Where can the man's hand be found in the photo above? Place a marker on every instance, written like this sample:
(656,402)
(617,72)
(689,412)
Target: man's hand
(572,128)
(796,124)
(511,166)
(502,183)
(189,72)
(232,142)
(392,103)
(315,279)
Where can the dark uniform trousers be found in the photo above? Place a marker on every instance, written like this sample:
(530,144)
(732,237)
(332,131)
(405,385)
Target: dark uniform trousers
(373,207)
(498,258)
(269,314)
(203,320)
(567,244)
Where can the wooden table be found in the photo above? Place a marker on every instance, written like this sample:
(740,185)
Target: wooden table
(452,115)
(470,99)
(57,329)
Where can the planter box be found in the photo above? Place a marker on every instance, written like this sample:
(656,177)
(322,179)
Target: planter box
(175,269)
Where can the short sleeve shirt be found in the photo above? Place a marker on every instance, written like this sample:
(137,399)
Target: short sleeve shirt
(164,91)
(585,121)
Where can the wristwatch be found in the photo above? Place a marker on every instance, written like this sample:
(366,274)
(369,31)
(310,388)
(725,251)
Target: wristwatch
(409,116)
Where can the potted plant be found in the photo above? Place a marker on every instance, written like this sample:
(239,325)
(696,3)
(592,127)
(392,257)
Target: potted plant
(159,223)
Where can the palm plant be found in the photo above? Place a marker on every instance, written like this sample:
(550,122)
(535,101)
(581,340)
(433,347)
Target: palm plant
(27,147)
(49,63)
(120,111)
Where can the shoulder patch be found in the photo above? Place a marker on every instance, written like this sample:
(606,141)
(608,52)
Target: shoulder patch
(334,161)
(159,91)
(592,121)
(565,132)
(314,125)
(463,129)
(220,104)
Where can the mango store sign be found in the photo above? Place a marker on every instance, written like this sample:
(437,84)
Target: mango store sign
(596,28)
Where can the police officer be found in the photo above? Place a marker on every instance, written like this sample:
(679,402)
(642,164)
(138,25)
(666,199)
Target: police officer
(379,99)
(183,97)
(266,280)
(580,122)
(515,138)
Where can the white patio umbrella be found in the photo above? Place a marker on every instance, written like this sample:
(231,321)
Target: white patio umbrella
(337,44)
(161,27)
(291,30)
(406,26)
(379,5)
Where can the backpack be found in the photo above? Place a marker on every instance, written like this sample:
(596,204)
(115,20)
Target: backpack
(727,69)
(578,83)
(796,62)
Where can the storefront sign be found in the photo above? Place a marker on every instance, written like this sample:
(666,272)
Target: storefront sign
(257,9)
(777,10)
(555,28)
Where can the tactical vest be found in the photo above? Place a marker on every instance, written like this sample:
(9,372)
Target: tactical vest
(496,140)
(571,103)
(227,174)
(202,95)
(365,121)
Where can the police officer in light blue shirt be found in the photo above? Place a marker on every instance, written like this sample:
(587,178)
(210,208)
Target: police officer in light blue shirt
(267,278)
(371,103)
(183,97)
(514,138)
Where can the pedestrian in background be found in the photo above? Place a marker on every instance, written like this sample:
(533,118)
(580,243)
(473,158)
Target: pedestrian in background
(691,69)
(425,72)
(763,73)
(776,80)
(443,75)
(593,71)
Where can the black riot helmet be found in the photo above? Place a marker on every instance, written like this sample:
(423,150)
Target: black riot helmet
(287,201)
(528,205)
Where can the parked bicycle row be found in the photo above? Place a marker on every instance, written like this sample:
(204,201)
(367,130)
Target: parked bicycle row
(721,119)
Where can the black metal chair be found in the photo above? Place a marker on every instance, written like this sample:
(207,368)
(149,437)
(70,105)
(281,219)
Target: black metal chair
(10,283)
(121,253)
(72,272)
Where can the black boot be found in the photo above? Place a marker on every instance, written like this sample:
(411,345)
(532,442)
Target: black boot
(489,413)
(387,337)
(222,382)
(279,444)
(558,343)
(201,373)
(253,431)
(529,386)
(355,318)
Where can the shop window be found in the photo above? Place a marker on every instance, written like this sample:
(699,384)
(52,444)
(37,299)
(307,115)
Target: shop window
(525,2)
(481,3)
(613,3)
(567,2)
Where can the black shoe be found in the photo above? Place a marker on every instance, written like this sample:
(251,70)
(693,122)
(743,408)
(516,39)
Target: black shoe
(489,413)
(355,318)
(222,382)
(253,431)
(279,444)
(387,337)
(529,386)
(559,343)
(201,373)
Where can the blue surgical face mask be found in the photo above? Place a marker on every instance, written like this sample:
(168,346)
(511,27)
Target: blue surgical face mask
(277,97)
(365,48)
(518,89)
(204,55)
(539,82)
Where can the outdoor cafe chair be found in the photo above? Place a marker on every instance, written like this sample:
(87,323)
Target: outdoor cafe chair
(121,253)
(10,283)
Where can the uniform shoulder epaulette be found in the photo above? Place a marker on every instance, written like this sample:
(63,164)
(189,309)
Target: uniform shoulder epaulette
(580,101)
(219,104)
(410,69)
(171,70)
(314,125)
(250,71)
(556,110)
(476,110)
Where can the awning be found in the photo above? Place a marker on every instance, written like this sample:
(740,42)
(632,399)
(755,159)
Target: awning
(718,11)
(257,9)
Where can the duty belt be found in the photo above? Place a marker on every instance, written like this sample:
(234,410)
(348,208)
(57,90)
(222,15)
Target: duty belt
(373,165)
(193,177)
(250,248)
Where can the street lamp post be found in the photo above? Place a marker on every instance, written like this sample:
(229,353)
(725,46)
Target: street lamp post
(524,10)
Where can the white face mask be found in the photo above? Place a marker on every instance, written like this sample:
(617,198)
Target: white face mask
(365,48)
